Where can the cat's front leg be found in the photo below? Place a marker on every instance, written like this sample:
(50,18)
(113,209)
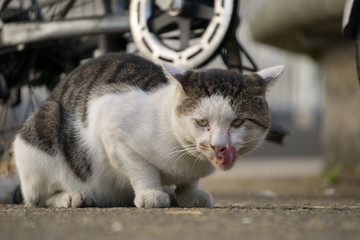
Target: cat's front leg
(152,199)
(74,199)
(147,185)
(144,178)
(190,195)
(146,182)
(148,190)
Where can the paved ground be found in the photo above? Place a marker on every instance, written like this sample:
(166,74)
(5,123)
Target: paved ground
(275,207)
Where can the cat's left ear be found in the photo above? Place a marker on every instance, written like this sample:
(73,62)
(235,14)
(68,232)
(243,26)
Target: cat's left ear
(175,74)
(270,74)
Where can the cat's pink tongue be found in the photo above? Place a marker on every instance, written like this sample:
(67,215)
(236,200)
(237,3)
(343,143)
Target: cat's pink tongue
(228,156)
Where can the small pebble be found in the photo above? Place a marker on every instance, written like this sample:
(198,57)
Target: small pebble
(246,221)
(185,212)
(328,192)
(267,193)
(308,206)
(117,227)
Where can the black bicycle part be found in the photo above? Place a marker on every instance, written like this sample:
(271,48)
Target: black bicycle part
(233,52)
(52,58)
(277,133)
(191,20)
(113,42)
(352,31)
(34,65)
(41,64)
(357,46)
(351,28)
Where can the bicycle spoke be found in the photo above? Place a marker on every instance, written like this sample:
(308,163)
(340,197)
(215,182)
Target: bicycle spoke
(28,106)
(4,6)
(202,11)
(37,98)
(38,12)
(14,115)
(53,14)
(64,11)
(47,6)
(3,116)
(158,23)
(184,26)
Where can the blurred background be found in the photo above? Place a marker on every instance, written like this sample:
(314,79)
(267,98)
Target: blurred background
(296,100)
(317,98)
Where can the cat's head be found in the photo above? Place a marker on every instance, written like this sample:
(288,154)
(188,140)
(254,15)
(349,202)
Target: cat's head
(219,114)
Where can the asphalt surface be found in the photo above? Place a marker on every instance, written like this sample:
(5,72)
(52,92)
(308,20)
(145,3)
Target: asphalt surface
(276,207)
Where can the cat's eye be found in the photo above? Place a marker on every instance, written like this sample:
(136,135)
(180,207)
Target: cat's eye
(237,122)
(202,122)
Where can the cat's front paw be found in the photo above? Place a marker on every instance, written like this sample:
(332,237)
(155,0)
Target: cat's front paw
(194,198)
(152,199)
(74,199)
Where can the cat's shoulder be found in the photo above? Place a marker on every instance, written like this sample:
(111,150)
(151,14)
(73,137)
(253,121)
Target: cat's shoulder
(120,68)
(120,57)
(119,61)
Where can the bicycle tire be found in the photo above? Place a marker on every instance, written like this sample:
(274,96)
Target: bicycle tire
(151,44)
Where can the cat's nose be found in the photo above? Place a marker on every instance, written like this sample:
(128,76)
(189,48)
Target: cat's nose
(218,149)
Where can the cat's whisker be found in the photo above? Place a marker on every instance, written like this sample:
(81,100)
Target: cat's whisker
(254,139)
(187,148)
(182,151)
(173,154)
(197,159)
(190,154)
(254,142)
(184,156)
(250,145)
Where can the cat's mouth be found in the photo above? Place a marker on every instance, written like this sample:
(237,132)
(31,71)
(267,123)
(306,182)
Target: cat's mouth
(225,159)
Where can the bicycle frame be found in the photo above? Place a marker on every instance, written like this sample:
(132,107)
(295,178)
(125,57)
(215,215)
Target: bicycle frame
(13,34)
(351,18)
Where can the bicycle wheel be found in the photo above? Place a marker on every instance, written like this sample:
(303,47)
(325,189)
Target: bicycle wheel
(180,32)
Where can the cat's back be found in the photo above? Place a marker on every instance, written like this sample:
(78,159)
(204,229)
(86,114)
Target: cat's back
(54,126)
(115,70)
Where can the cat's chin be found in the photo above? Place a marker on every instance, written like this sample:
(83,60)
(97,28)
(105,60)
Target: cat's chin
(223,167)
(225,160)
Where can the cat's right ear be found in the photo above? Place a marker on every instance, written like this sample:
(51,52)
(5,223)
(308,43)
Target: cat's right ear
(270,74)
(174,74)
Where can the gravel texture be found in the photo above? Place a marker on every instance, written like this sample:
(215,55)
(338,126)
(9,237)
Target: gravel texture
(244,209)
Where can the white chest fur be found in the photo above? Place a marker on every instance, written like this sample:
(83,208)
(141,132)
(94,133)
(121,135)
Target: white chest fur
(134,129)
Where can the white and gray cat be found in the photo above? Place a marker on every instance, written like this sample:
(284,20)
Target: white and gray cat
(119,129)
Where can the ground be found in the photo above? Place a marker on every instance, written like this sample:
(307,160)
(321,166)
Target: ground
(283,207)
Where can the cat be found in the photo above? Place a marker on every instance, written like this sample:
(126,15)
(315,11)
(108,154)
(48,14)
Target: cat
(121,131)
